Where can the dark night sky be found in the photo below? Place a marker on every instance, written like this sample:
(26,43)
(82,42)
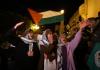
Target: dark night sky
(20,7)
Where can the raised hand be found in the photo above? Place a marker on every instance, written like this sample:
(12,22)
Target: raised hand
(83,24)
(18,24)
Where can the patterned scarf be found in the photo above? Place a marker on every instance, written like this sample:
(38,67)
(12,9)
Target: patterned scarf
(28,41)
(59,57)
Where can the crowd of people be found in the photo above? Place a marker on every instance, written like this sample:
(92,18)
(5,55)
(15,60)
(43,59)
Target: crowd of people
(46,51)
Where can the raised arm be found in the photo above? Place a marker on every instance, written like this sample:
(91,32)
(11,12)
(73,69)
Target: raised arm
(13,30)
(74,42)
(10,34)
(18,24)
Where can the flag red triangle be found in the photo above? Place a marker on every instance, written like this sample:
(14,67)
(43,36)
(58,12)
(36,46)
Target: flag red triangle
(36,17)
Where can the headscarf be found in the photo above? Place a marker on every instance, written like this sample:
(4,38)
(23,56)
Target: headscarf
(44,37)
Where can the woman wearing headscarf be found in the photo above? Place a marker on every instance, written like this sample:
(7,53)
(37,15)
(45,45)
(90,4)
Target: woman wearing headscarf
(61,52)
(66,49)
(48,51)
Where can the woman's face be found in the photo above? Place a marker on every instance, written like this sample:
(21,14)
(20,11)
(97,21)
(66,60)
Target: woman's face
(91,24)
(30,35)
(50,37)
(63,39)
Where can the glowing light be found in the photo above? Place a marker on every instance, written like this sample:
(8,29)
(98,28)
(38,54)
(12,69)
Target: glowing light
(34,27)
(62,11)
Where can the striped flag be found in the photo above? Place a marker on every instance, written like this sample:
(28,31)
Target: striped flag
(36,17)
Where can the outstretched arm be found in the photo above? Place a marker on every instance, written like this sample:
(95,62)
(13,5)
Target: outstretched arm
(18,24)
(11,34)
(74,42)
(15,27)
(12,30)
